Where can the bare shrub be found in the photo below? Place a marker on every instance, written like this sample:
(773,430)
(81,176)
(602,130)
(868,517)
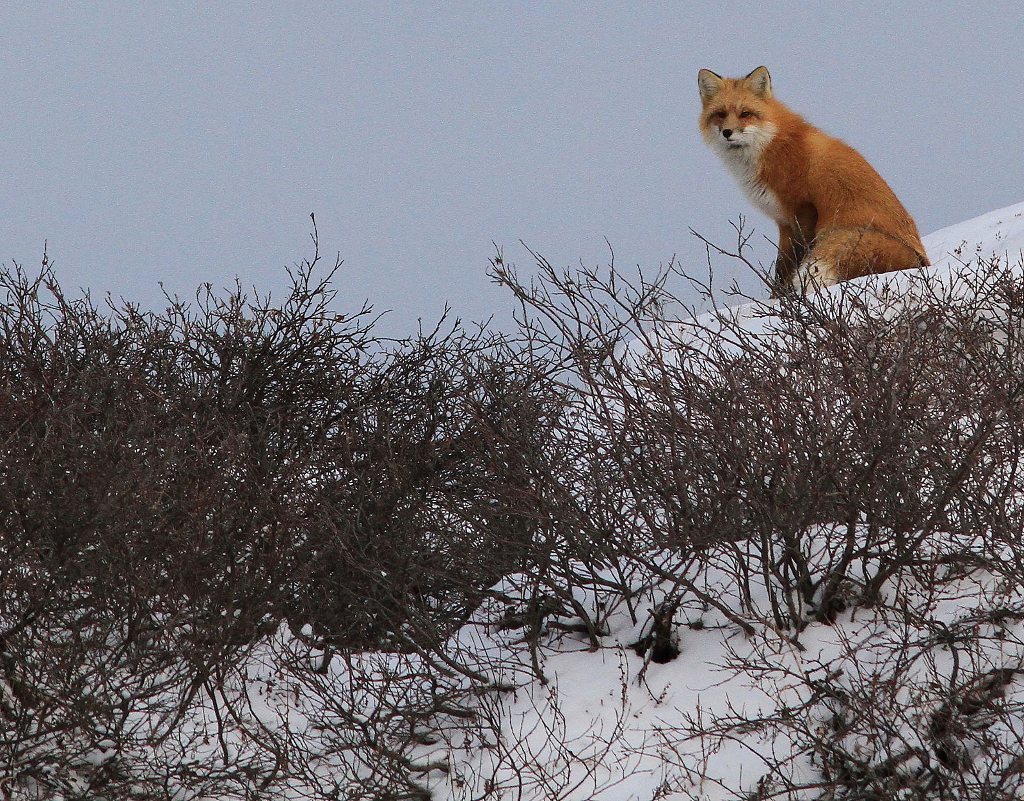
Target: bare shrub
(249,546)
(177,484)
(892,421)
(808,460)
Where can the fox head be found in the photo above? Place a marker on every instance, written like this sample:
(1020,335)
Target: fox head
(736,115)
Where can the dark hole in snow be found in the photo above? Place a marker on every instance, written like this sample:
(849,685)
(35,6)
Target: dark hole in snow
(661,640)
(663,652)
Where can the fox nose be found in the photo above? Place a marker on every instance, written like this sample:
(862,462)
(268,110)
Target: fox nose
(727,132)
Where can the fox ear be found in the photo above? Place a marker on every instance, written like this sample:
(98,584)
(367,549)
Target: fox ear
(709,83)
(760,82)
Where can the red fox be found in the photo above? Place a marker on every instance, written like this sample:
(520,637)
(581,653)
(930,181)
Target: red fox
(838,219)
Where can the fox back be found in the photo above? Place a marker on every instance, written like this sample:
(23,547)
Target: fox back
(838,218)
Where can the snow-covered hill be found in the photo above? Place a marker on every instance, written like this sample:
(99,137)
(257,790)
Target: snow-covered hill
(609,724)
(997,233)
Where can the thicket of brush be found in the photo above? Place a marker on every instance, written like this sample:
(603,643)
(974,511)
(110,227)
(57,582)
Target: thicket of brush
(238,478)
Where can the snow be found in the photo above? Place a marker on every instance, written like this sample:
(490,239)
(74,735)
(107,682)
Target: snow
(998,233)
(610,726)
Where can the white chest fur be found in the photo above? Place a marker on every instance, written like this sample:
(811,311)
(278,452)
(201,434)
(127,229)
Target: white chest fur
(742,155)
(742,163)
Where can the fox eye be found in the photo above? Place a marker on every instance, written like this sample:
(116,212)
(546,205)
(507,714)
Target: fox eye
(719,115)
(745,114)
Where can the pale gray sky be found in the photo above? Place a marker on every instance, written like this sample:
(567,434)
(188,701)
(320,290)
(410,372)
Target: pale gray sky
(186,143)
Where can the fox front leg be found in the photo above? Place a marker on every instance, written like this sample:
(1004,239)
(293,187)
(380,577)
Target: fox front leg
(791,252)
